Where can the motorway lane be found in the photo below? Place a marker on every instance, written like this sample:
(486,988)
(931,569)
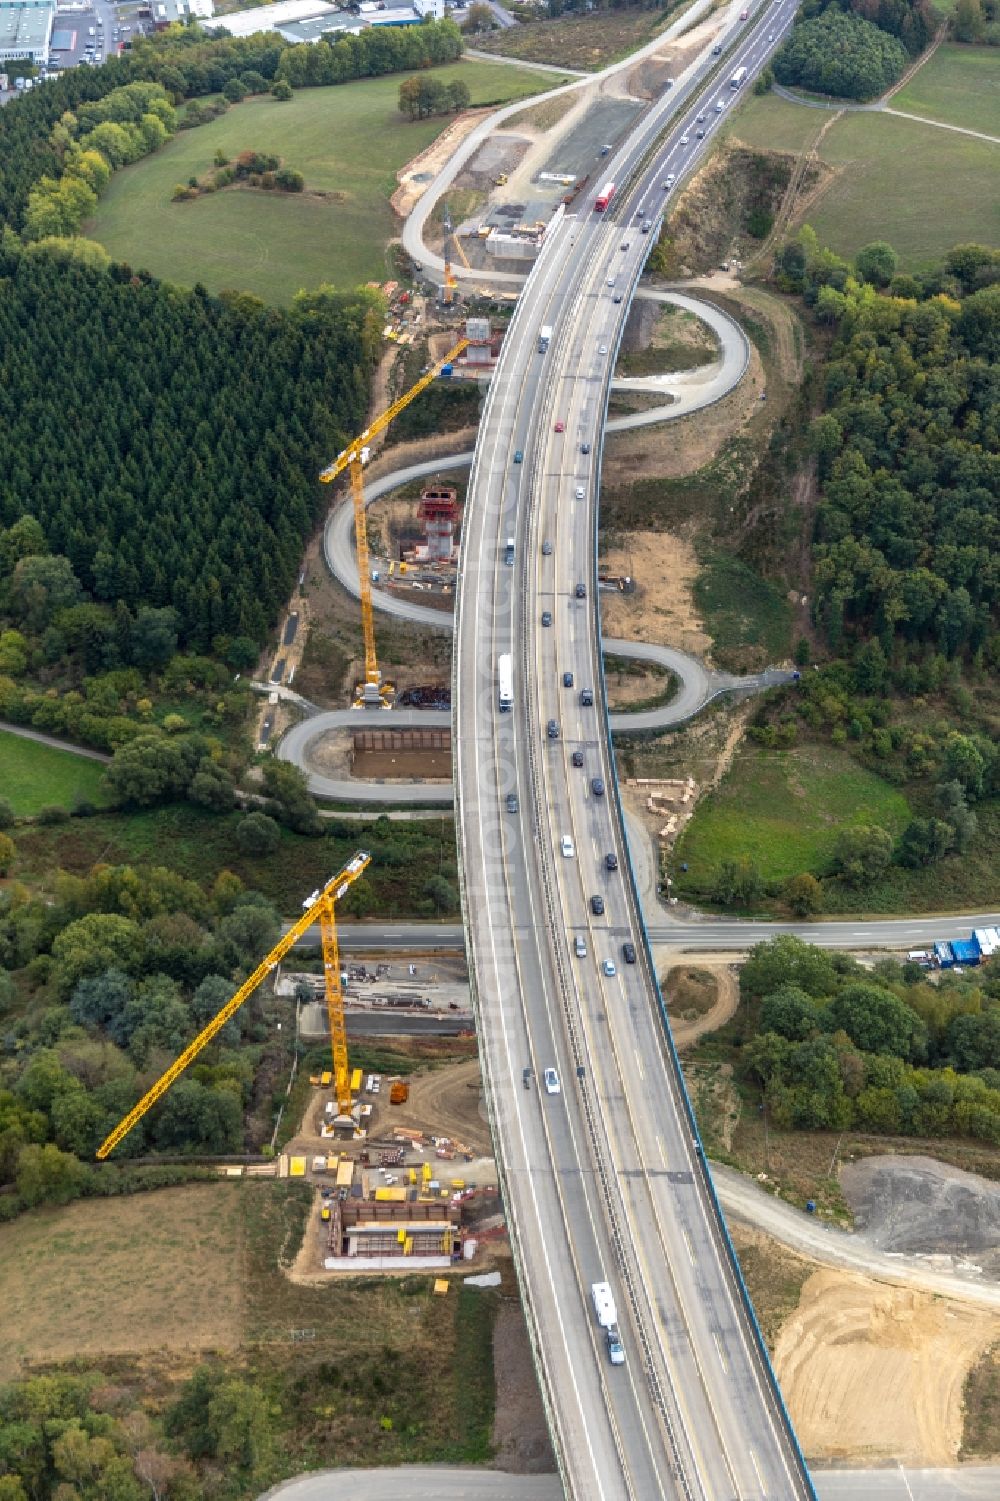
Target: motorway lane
(695,1339)
(534,1149)
(711,1409)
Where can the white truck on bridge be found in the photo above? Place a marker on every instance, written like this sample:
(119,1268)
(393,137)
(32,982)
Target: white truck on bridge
(607,1317)
(505,673)
(544,338)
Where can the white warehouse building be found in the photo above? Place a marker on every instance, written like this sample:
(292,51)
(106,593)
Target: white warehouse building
(26,29)
(303,20)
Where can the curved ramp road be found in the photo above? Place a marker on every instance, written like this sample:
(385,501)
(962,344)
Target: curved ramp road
(698,685)
(296,742)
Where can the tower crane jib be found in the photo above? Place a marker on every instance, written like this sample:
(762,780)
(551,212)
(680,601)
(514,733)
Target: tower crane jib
(321,908)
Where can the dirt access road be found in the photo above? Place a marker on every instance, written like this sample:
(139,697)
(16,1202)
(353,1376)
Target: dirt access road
(446,1102)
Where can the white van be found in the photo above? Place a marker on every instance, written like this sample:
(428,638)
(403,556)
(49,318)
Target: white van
(568,847)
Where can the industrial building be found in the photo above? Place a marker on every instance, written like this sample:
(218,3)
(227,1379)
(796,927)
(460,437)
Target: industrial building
(26,29)
(309,20)
(165,12)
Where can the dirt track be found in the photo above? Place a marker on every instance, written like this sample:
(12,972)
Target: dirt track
(445,1102)
(686,1032)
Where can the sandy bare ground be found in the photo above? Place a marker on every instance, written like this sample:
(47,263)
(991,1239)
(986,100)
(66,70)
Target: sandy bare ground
(873,1373)
(662,608)
(431,161)
(446,1102)
(648,76)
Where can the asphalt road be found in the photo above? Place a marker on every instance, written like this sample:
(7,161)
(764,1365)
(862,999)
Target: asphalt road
(588,86)
(745,1200)
(617,1189)
(440,1483)
(698,684)
(705,935)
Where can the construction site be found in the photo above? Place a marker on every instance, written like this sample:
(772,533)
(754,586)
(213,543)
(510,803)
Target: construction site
(392,1195)
(394,1190)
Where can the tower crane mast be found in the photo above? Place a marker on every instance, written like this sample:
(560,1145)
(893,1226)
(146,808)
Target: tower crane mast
(320,907)
(354,457)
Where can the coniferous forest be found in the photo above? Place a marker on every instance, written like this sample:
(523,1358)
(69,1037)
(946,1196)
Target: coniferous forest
(169,442)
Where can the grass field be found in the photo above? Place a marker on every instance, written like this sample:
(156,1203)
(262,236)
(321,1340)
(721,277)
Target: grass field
(34,776)
(960,85)
(103,1276)
(783,810)
(585,42)
(918,187)
(747,617)
(348,141)
(384,1373)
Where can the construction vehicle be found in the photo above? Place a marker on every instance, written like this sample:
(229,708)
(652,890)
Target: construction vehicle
(500,181)
(399,1092)
(320,907)
(354,457)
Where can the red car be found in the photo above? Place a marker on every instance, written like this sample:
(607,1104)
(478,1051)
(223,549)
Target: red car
(560,427)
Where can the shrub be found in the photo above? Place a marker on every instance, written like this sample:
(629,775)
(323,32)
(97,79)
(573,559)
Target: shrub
(53,813)
(258,835)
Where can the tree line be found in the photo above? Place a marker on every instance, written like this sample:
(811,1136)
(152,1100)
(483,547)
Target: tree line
(840,54)
(190,63)
(835,1046)
(854,49)
(908,536)
(420,97)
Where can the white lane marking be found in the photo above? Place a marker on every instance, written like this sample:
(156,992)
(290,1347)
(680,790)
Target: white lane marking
(725,1366)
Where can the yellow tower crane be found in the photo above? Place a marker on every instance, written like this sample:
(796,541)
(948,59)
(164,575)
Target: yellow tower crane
(320,907)
(354,458)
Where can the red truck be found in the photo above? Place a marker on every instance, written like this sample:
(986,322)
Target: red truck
(604,197)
